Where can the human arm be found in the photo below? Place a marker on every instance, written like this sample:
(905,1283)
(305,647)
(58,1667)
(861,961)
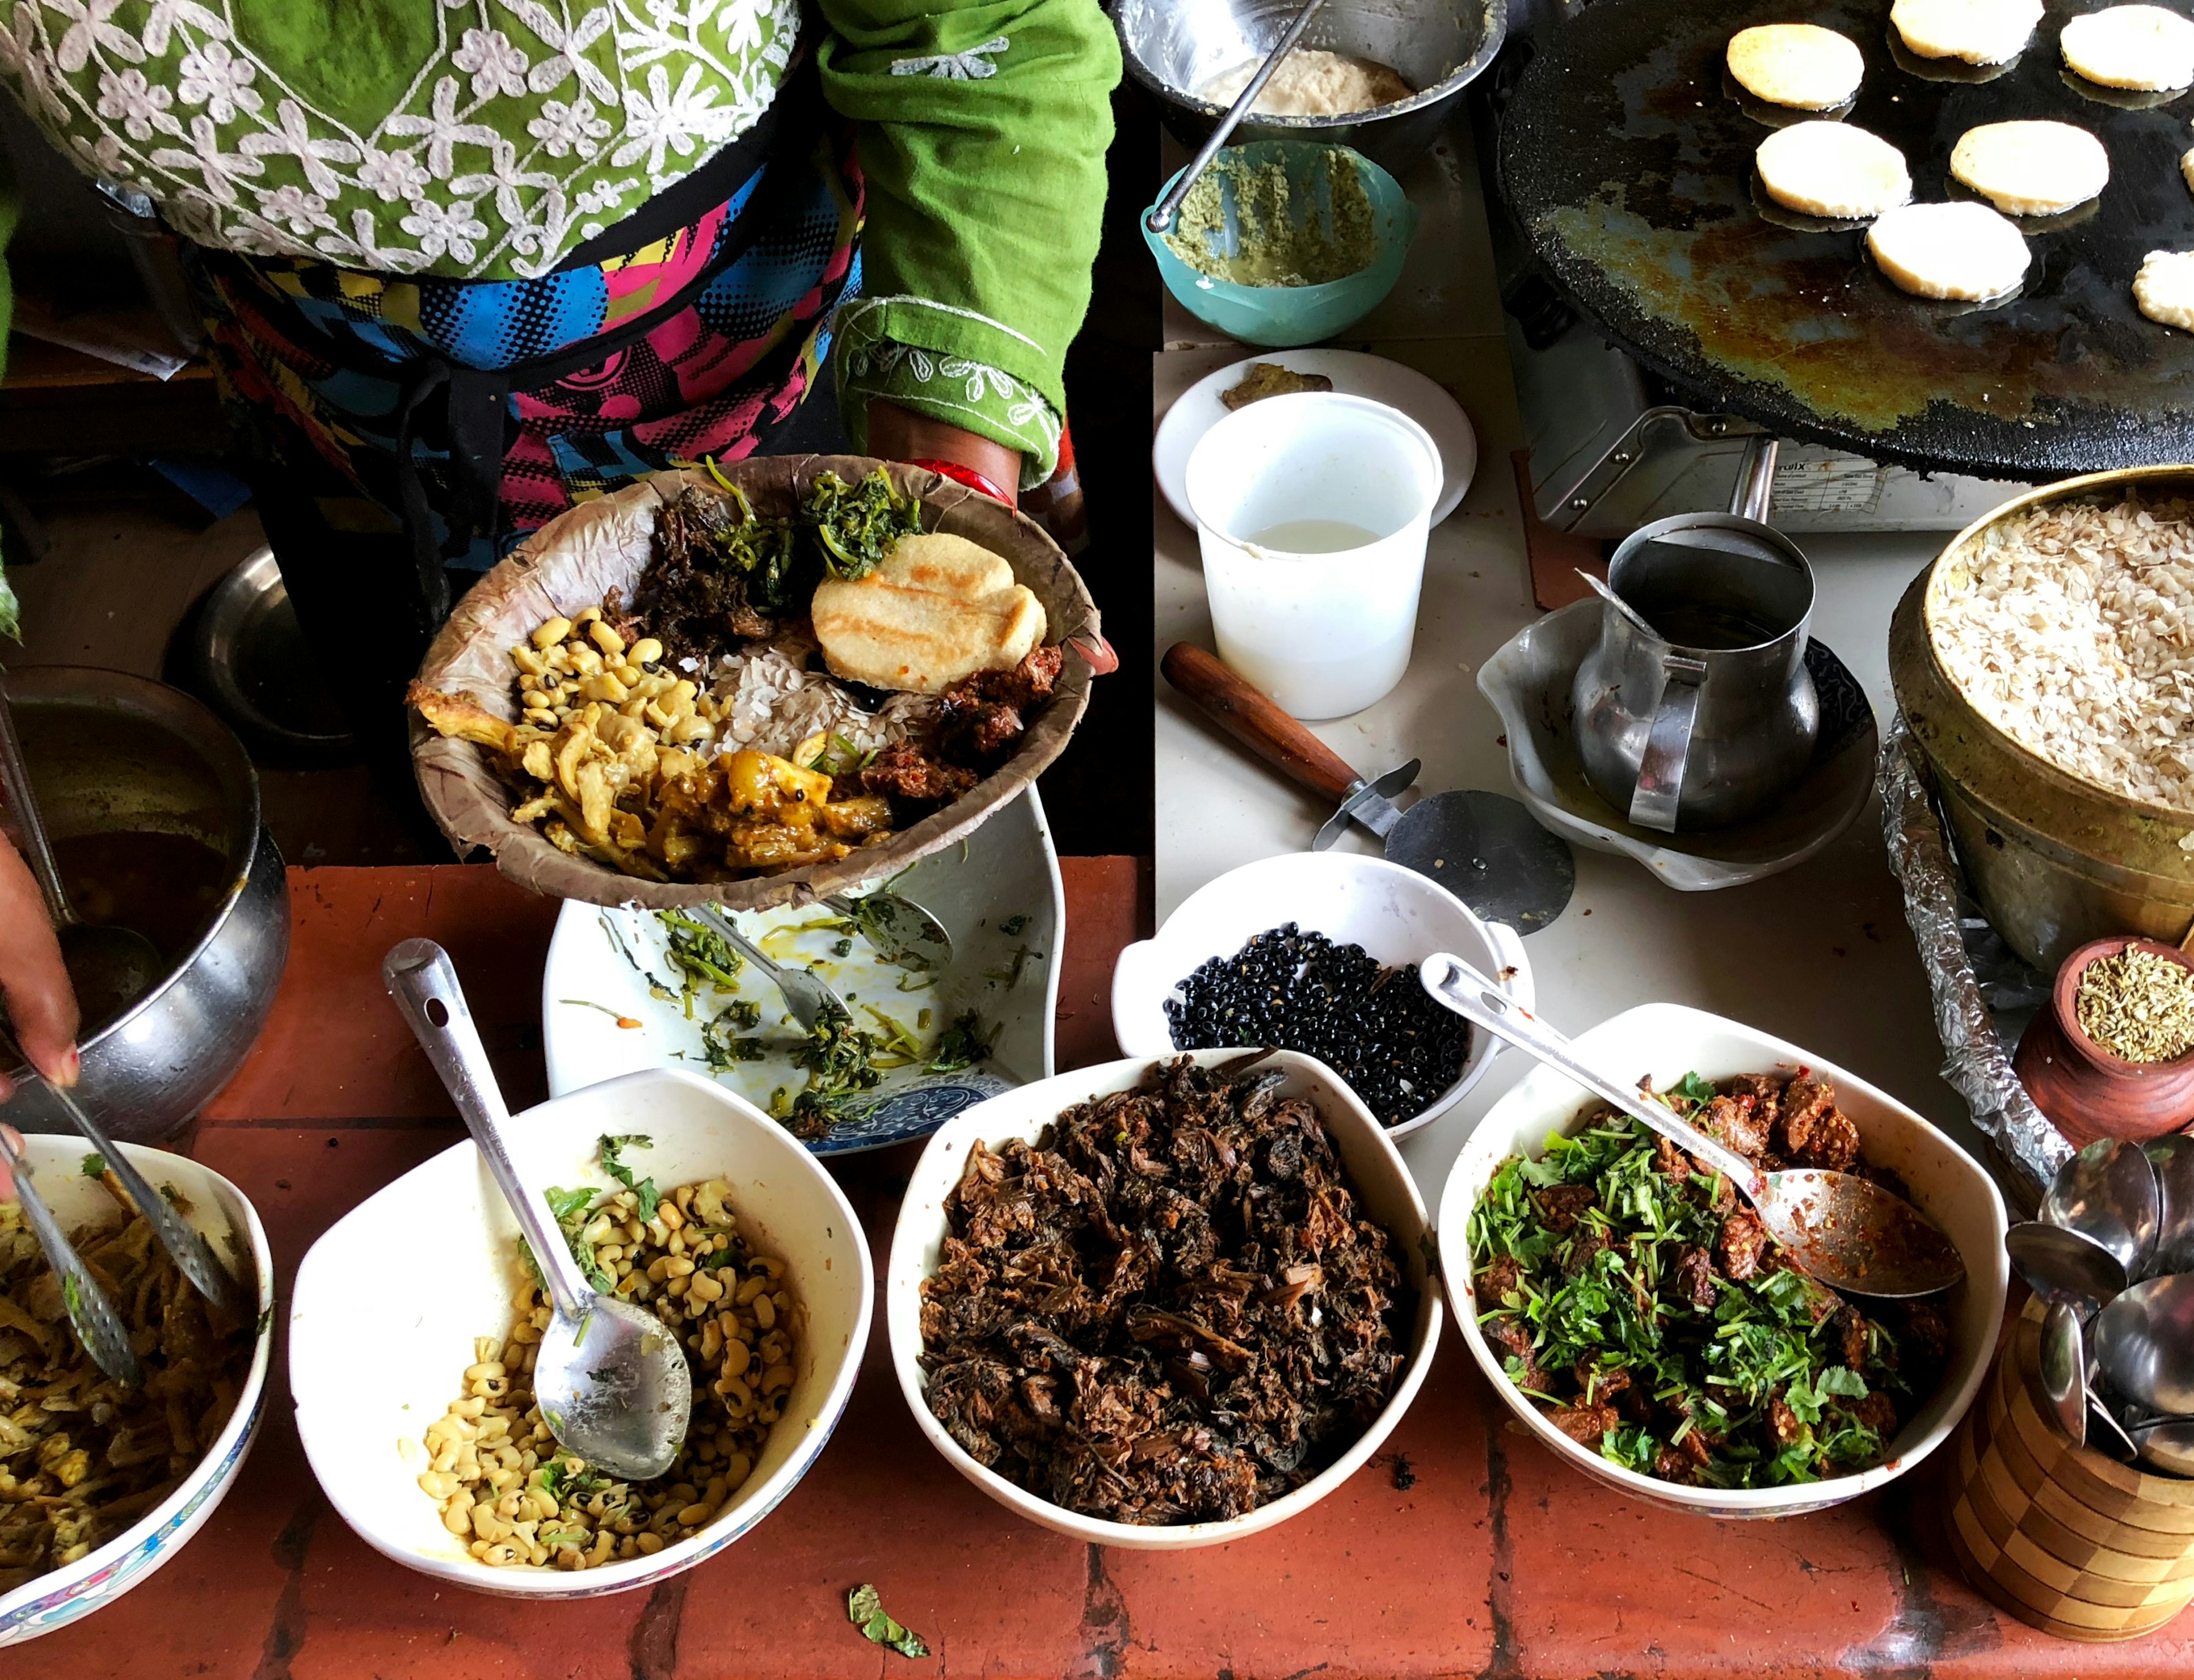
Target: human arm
(982,131)
(41,1004)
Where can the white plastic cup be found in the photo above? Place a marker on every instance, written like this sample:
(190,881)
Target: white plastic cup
(1323,633)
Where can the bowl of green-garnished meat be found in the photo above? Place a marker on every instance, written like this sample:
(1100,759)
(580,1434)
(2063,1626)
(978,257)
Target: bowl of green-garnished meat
(1629,1309)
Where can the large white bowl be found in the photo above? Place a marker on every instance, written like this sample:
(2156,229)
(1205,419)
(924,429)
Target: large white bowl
(1667,1041)
(387,1302)
(219,1209)
(1396,915)
(1375,1172)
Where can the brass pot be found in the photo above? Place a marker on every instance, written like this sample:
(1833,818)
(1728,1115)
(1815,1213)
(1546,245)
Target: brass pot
(2054,859)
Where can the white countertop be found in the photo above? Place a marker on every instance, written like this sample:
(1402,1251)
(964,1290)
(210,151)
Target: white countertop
(1819,955)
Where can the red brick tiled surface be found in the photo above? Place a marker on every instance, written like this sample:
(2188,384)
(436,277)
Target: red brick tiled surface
(1495,1561)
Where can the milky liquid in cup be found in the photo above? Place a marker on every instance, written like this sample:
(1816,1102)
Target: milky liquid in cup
(1312,536)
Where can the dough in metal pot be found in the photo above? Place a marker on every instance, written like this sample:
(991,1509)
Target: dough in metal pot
(1833,169)
(2031,167)
(2145,49)
(1799,65)
(1965,251)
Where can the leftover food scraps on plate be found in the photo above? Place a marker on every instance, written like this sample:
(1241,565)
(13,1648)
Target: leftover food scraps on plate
(491,1463)
(1289,989)
(1631,1293)
(1168,1308)
(690,735)
(82,1459)
(1270,379)
(2068,628)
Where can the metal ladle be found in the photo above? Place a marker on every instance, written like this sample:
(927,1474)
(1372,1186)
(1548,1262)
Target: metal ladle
(2106,1433)
(809,998)
(901,931)
(109,967)
(2173,1158)
(611,1378)
(1163,212)
(1840,1228)
(2107,1193)
(2145,1345)
(2064,1369)
(2065,1265)
(98,1327)
(2167,1444)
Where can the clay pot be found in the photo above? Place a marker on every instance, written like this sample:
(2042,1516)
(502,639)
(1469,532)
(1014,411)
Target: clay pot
(2087,1092)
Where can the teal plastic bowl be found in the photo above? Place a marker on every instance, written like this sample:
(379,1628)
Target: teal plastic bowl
(1278,317)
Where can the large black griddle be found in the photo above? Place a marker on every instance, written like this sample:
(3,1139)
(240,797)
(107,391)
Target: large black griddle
(1626,158)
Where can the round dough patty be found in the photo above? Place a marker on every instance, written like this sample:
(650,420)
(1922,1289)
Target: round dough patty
(1979,32)
(2143,48)
(2164,288)
(1833,169)
(2031,167)
(1964,251)
(1799,65)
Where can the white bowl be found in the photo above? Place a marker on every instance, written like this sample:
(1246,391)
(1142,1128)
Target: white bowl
(1667,1041)
(386,1304)
(1396,915)
(1375,1172)
(219,1209)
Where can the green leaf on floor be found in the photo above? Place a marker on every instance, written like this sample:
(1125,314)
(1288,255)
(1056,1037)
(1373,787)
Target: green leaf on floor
(864,1608)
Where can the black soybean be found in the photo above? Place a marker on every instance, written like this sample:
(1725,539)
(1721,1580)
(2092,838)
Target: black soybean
(1372,1025)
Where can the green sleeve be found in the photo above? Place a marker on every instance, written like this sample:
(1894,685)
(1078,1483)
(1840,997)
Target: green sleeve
(983,129)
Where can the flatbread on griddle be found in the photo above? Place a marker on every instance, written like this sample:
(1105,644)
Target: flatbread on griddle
(1799,65)
(1977,31)
(2164,288)
(1833,169)
(2145,49)
(1964,250)
(2031,167)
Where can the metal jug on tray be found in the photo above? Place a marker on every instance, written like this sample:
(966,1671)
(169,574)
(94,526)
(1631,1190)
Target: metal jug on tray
(1696,708)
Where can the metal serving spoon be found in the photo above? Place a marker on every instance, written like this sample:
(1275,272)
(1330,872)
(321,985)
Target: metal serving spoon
(808,997)
(2106,1433)
(2065,1265)
(108,967)
(2173,1158)
(611,1378)
(2145,1345)
(2064,1369)
(98,1327)
(185,1244)
(1837,1226)
(2107,1192)
(1163,213)
(901,931)
(2167,1444)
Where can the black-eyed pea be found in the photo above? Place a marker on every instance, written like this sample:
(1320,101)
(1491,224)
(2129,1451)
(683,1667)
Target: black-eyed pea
(765,1311)
(646,650)
(777,1379)
(672,1215)
(737,1468)
(659,1269)
(553,631)
(693,1515)
(586,616)
(675,1288)
(749,1288)
(648,1544)
(634,1230)
(605,638)
(736,1356)
(585,660)
(712,1343)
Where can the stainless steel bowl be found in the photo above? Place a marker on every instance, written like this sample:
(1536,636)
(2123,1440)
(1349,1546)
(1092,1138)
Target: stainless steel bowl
(250,662)
(1173,47)
(112,752)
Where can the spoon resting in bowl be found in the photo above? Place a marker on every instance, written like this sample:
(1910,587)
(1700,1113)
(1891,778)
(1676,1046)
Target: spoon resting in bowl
(611,1379)
(1837,1228)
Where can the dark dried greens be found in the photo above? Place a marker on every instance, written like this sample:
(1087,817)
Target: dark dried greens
(719,570)
(1170,1309)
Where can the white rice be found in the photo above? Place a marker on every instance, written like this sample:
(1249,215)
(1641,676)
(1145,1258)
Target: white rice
(773,703)
(2074,634)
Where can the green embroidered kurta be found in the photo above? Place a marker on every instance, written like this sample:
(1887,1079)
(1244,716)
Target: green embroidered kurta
(484,139)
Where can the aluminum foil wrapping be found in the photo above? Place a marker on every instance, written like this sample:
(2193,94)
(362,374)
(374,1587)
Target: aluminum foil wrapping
(1983,994)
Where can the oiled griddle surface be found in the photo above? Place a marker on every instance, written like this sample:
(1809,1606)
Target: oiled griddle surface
(1626,159)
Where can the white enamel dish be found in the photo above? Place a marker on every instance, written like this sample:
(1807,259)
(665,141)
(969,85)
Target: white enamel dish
(1384,1192)
(1398,917)
(1000,897)
(388,1301)
(1667,1041)
(219,1209)
(1355,374)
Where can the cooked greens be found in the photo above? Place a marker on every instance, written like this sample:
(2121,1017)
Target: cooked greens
(1625,1288)
(856,525)
(643,1189)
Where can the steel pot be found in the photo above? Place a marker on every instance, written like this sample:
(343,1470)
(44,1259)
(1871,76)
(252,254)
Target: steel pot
(2054,859)
(112,752)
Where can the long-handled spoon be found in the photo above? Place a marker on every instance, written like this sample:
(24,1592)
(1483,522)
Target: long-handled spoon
(2061,1265)
(809,998)
(611,1377)
(902,931)
(1163,213)
(2064,1370)
(185,1244)
(2106,1433)
(2167,1444)
(1841,1229)
(2108,1193)
(2173,1158)
(98,1327)
(2145,1345)
(109,967)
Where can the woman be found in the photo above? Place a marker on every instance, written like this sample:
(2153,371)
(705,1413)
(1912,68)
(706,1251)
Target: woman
(467,261)
(33,984)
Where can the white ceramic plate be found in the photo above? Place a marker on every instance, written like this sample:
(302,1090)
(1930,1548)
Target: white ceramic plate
(1528,681)
(1355,374)
(386,1304)
(1397,915)
(1375,1172)
(998,896)
(219,1209)
(1667,1041)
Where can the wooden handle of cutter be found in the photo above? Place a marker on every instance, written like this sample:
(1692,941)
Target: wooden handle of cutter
(1253,718)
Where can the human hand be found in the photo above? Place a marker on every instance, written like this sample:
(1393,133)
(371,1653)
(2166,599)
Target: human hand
(41,1003)
(6,1181)
(899,434)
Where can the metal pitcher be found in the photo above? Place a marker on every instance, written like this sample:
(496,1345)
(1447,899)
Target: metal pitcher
(1696,708)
